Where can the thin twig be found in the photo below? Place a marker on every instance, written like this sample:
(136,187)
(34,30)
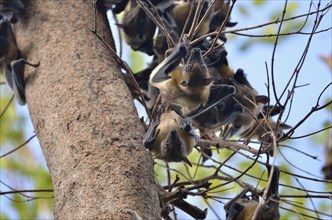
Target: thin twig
(15,149)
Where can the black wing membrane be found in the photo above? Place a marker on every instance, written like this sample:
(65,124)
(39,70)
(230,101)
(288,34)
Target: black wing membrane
(234,211)
(269,110)
(274,188)
(151,134)
(241,78)
(217,94)
(17,74)
(233,208)
(160,73)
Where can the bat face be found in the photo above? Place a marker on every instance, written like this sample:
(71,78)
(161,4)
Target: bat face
(172,147)
(171,138)
(195,74)
(138,28)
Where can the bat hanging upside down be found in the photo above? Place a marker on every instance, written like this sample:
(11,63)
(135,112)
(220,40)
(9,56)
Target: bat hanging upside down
(188,87)
(171,137)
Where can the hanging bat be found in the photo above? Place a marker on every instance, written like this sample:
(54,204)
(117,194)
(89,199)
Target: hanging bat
(220,11)
(243,207)
(177,14)
(187,86)
(138,28)
(171,138)
(247,97)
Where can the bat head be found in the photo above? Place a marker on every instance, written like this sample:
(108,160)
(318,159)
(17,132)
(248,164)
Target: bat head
(195,73)
(173,148)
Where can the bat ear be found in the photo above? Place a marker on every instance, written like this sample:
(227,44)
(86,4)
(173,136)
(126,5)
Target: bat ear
(262,99)
(208,81)
(285,126)
(231,24)
(119,25)
(187,161)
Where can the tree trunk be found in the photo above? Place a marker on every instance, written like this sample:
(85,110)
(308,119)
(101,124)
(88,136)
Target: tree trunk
(84,115)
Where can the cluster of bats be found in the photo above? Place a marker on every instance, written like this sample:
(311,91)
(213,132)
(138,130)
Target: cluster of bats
(199,92)
(189,88)
(192,92)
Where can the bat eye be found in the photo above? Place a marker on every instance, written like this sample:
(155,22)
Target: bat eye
(13,20)
(141,37)
(183,48)
(165,146)
(189,66)
(180,147)
(184,83)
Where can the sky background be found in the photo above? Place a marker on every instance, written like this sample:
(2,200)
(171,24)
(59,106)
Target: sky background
(314,72)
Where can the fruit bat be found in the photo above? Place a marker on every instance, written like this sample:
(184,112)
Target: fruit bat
(11,63)
(138,28)
(177,13)
(243,207)
(187,87)
(171,138)
(161,44)
(245,96)
(220,11)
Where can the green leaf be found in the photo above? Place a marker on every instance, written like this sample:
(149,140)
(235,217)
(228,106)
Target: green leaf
(259,2)
(243,10)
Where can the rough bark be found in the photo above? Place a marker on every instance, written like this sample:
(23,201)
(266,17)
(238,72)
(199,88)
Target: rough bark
(84,116)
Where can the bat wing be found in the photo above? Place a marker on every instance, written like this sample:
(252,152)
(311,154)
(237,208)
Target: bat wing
(8,16)
(241,78)
(234,200)
(218,93)
(160,73)
(17,74)
(270,110)
(165,6)
(230,112)
(218,55)
(151,133)
(274,188)
(234,211)
(233,208)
